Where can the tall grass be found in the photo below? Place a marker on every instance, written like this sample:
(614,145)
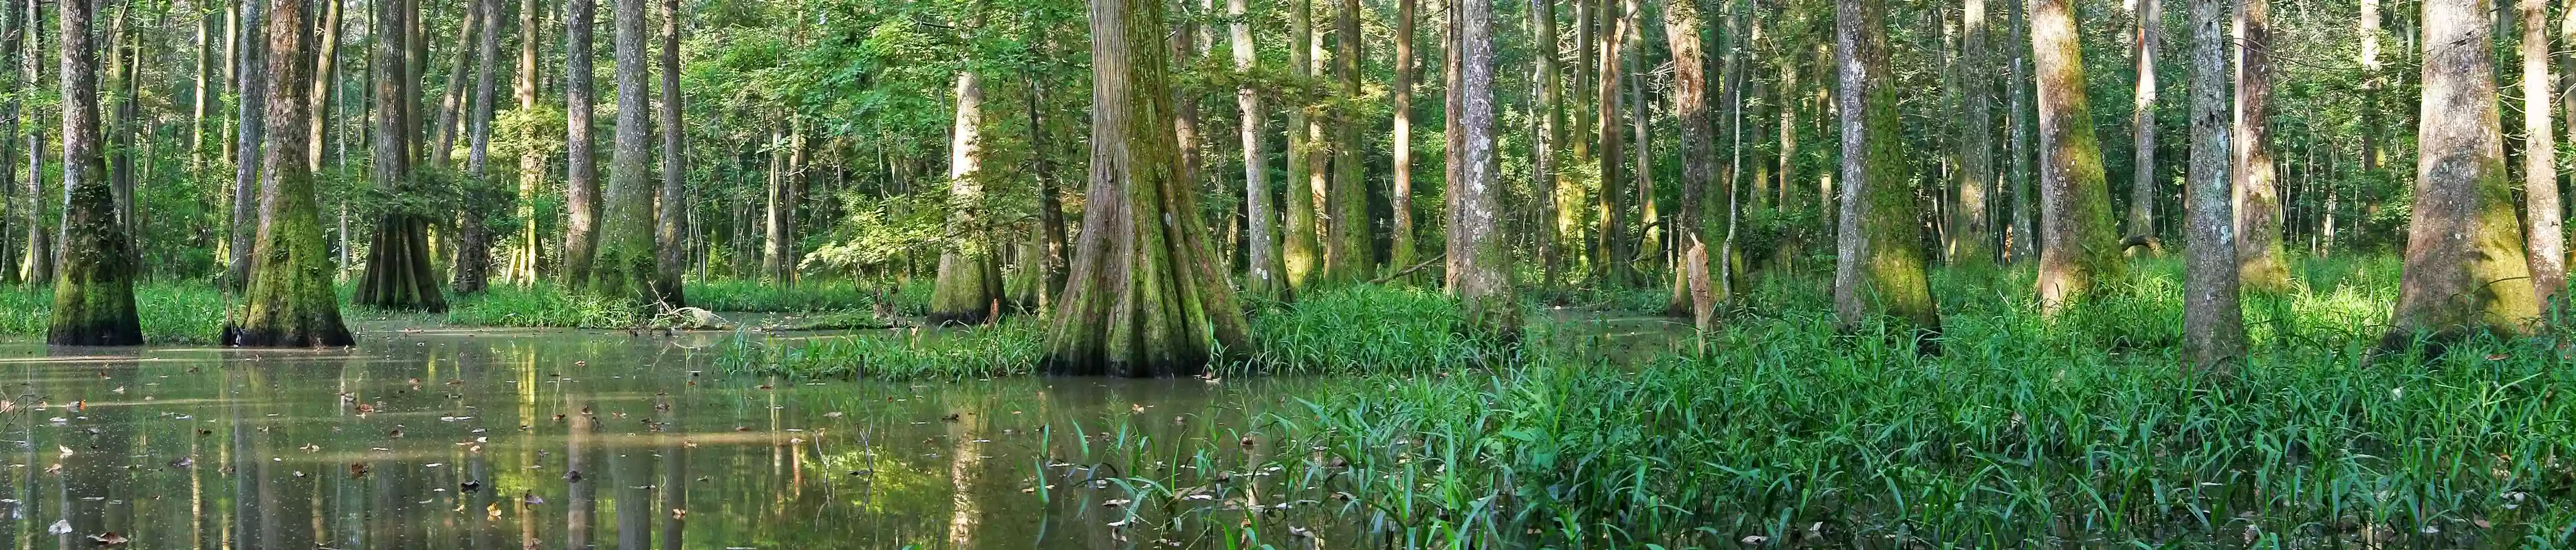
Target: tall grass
(1010,348)
(1363,329)
(737,295)
(540,306)
(2027,432)
(170,312)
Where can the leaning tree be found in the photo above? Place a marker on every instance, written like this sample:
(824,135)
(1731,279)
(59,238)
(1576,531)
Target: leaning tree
(1143,299)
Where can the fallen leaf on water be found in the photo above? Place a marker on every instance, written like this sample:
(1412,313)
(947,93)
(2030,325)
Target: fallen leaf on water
(109,538)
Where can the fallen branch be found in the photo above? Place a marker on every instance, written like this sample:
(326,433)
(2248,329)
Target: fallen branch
(1409,271)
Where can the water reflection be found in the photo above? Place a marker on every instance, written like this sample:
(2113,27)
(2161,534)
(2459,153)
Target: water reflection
(559,439)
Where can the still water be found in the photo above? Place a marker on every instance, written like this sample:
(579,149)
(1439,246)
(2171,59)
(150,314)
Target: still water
(585,439)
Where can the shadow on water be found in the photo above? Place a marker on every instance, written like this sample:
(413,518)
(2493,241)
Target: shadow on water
(556,439)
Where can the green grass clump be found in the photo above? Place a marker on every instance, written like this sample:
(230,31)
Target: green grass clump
(540,306)
(1366,329)
(171,312)
(1009,348)
(737,295)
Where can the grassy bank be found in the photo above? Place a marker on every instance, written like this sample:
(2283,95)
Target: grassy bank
(2083,431)
(193,312)
(171,313)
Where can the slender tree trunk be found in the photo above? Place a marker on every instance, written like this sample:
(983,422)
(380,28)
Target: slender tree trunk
(674,204)
(581,182)
(1562,199)
(291,302)
(474,236)
(2464,248)
(626,265)
(1690,110)
(1879,265)
(1300,250)
(532,166)
(1051,262)
(451,100)
(2372,81)
(2213,324)
(1480,259)
(1400,247)
(1262,272)
(94,289)
(2077,248)
(969,289)
(1350,254)
(323,85)
(38,265)
(201,103)
(781,211)
(251,75)
(398,273)
(122,62)
(1641,146)
(2257,193)
(1143,298)
(17,27)
(1609,239)
(2547,240)
(2141,230)
(2021,243)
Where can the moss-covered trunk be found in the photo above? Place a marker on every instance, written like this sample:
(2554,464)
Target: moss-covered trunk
(1299,250)
(627,262)
(290,302)
(1263,276)
(2078,247)
(1879,265)
(674,203)
(94,282)
(1143,298)
(2464,247)
(2257,197)
(581,170)
(398,272)
(969,288)
(1609,240)
(1690,99)
(1351,254)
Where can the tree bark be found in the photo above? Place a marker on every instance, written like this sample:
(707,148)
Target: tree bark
(201,103)
(674,200)
(2021,243)
(17,26)
(451,100)
(398,273)
(1609,240)
(2257,194)
(2077,248)
(2547,238)
(1879,265)
(249,75)
(1480,260)
(94,288)
(2142,121)
(2464,249)
(625,265)
(290,302)
(969,288)
(1143,298)
(1262,272)
(1400,247)
(581,181)
(1562,199)
(532,166)
(1301,250)
(1690,111)
(1350,254)
(473,236)
(323,78)
(2213,323)
(38,264)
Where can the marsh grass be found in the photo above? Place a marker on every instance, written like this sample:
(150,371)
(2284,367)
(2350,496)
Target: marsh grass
(2081,431)
(1366,329)
(1010,348)
(737,295)
(171,313)
(540,306)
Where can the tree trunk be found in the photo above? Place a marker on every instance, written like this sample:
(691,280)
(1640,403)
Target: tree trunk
(1480,258)
(626,264)
(1972,241)
(2021,243)
(290,302)
(2257,195)
(1143,299)
(2371,83)
(94,289)
(451,100)
(250,75)
(473,237)
(398,273)
(1300,249)
(1262,272)
(581,181)
(38,265)
(16,29)
(1609,242)
(1561,198)
(2464,249)
(969,289)
(1879,264)
(2546,242)
(2142,121)
(781,213)
(2077,247)
(323,78)
(2213,323)
(201,102)
(122,68)
(1690,110)
(532,166)
(1400,247)
(674,203)
(1051,261)
(1350,255)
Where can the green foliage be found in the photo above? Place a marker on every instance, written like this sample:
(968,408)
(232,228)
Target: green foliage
(541,306)
(171,313)
(1009,348)
(1363,329)
(733,295)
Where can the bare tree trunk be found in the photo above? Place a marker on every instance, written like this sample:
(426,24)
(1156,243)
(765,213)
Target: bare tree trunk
(1350,254)
(1300,251)
(2372,81)
(1879,265)
(674,202)
(625,264)
(1480,260)
(17,26)
(1690,110)
(969,288)
(2142,120)
(291,302)
(532,166)
(2546,243)
(2257,194)
(201,103)
(1561,199)
(251,75)
(2077,247)
(94,283)
(398,273)
(781,212)
(2464,248)
(2213,323)
(473,237)
(1400,247)
(1262,274)
(2021,243)
(1143,298)
(323,78)
(1610,241)
(581,182)
(451,101)
(38,265)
